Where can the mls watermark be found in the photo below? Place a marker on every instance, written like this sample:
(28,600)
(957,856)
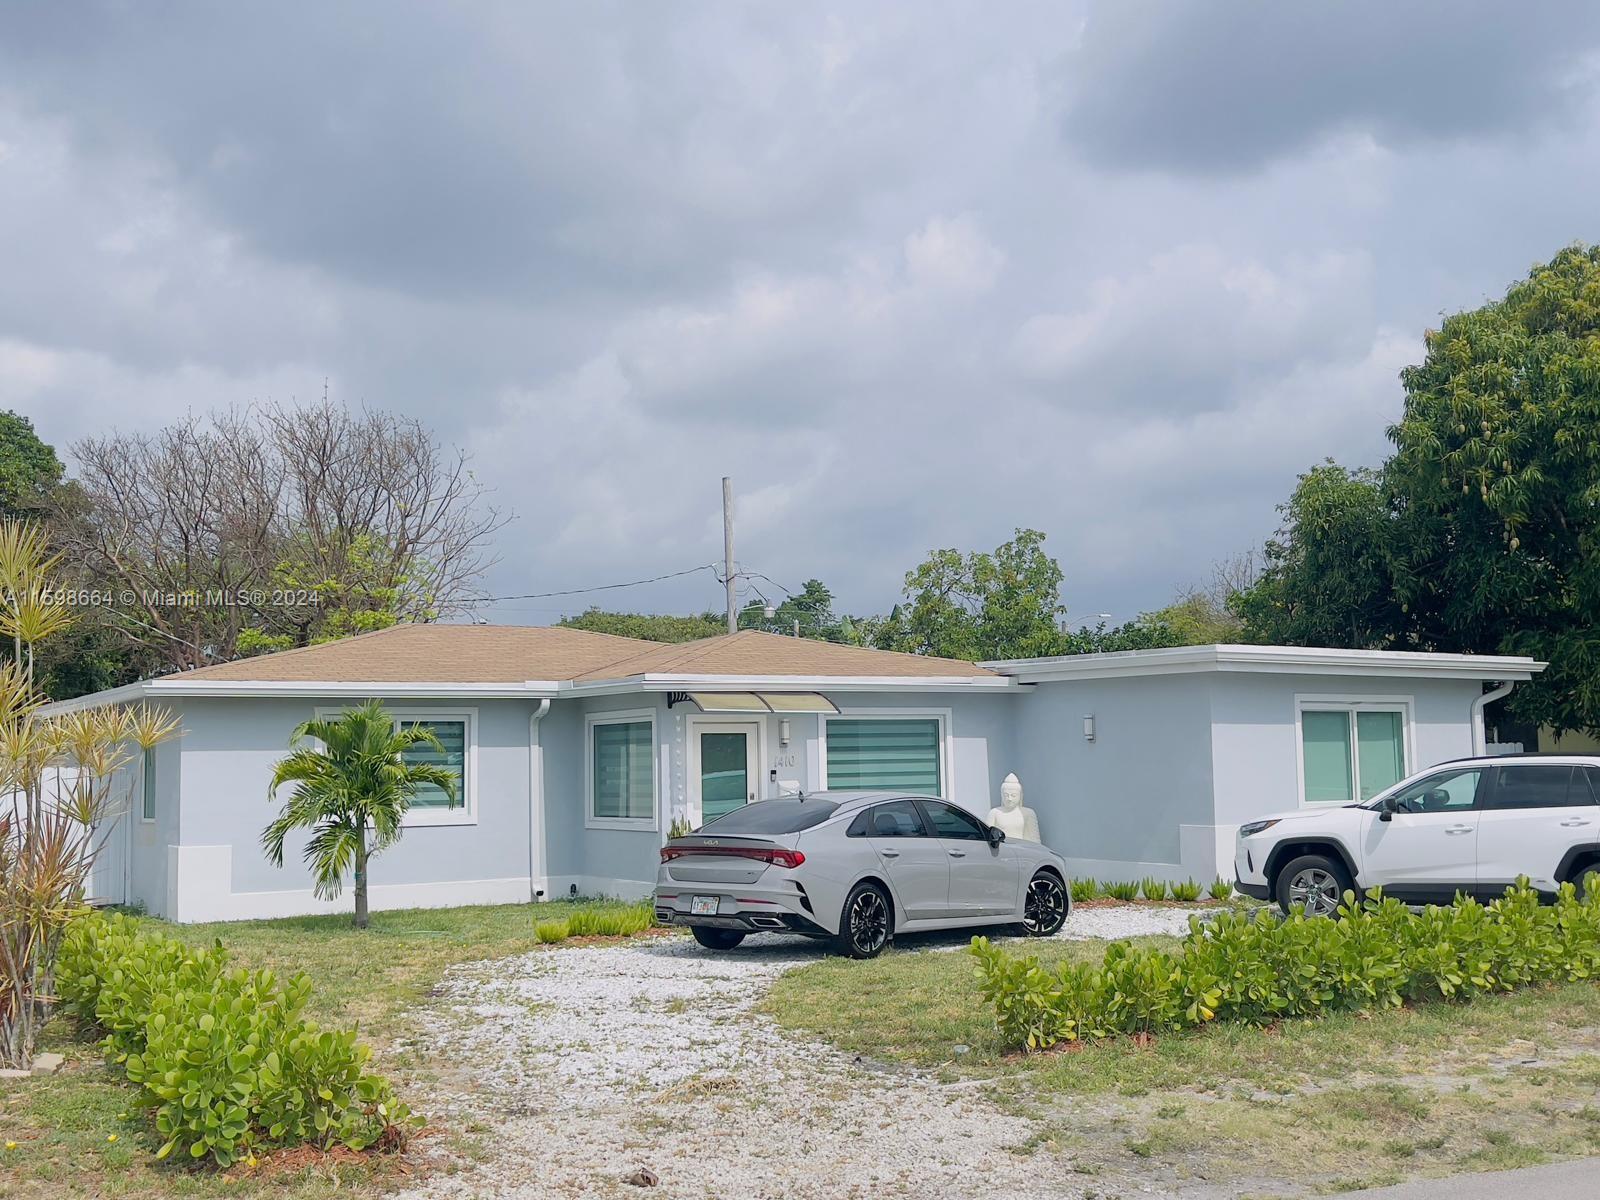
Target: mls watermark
(248,597)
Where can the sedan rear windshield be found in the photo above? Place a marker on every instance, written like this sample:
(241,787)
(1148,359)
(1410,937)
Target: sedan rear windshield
(773,816)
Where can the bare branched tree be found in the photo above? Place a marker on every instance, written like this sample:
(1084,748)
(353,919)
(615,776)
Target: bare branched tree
(271,526)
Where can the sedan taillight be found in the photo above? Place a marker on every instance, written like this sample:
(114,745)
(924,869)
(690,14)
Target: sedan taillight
(773,857)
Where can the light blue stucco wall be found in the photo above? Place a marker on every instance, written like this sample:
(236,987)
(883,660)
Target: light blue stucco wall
(1177,761)
(147,879)
(979,746)
(1122,797)
(224,758)
(1180,760)
(1256,740)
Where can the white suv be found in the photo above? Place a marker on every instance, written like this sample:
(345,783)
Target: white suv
(1473,825)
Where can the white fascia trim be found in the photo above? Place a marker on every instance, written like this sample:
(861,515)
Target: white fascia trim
(532,689)
(127,693)
(1296,660)
(792,683)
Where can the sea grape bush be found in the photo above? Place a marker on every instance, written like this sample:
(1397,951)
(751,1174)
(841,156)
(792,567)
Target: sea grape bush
(1261,968)
(225,1056)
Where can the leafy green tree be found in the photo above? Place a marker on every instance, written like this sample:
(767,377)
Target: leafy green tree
(1496,481)
(1141,634)
(1481,532)
(356,780)
(654,627)
(1329,575)
(29,468)
(981,606)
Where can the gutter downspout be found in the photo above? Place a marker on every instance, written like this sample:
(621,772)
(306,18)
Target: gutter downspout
(536,857)
(1480,742)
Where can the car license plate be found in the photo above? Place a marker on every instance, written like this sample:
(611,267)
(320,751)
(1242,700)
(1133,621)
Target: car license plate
(703,906)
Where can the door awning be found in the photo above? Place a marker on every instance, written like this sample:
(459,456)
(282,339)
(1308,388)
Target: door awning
(755,702)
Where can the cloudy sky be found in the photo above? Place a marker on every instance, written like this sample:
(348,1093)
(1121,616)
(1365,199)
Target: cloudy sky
(913,274)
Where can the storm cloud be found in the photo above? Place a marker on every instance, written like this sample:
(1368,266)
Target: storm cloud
(913,275)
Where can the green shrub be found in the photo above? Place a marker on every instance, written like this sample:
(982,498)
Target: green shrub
(1220,889)
(552,931)
(1152,888)
(1259,968)
(1122,890)
(1187,890)
(1084,889)
(224,1056)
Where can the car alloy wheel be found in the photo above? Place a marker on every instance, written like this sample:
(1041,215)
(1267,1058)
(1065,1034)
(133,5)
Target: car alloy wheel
(1316,890)
(1044,908)
(868,922)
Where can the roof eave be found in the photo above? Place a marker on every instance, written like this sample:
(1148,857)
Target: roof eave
(1292,660)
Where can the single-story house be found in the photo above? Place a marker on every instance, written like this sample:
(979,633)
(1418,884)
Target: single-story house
(576,752)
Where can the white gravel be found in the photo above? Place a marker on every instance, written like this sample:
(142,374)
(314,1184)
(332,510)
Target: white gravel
(587,1063)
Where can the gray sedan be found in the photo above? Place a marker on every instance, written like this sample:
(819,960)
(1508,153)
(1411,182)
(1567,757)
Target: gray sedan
(856,868)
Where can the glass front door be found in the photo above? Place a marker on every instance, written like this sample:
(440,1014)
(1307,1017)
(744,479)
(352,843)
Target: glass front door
(726,775)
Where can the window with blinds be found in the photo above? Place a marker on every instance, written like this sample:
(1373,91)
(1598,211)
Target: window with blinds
(622,771)
(894,753)
(451,754)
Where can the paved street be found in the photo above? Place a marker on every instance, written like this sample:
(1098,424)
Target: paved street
(1578,1180)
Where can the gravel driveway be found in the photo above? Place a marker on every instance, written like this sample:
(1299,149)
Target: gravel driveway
(588,1063)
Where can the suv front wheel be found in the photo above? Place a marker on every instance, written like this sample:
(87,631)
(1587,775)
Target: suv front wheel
(1314,882)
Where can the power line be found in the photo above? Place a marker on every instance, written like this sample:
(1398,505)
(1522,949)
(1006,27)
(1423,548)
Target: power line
(604,587)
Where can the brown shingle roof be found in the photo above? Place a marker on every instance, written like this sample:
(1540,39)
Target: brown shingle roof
(517,653)
(750,652)
(436,654)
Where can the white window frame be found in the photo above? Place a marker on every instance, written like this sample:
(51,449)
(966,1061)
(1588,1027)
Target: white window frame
(422,818)
(945,717)
(1404,705)
(621,717)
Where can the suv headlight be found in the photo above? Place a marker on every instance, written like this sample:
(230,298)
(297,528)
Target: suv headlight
(1255,827)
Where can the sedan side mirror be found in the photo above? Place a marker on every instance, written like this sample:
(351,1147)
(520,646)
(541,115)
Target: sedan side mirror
(996,835)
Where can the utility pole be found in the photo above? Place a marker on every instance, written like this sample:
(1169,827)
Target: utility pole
(727,553)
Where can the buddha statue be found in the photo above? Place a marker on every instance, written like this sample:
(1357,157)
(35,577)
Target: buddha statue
(1011,817)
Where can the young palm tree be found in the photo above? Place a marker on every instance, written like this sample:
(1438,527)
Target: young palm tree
(356,782)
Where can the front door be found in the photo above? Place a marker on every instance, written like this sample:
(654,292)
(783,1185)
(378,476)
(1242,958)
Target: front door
(1429,849)
(725,772)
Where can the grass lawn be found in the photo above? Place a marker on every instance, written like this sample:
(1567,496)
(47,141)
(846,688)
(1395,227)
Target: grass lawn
(76,1134)
(1348,1101)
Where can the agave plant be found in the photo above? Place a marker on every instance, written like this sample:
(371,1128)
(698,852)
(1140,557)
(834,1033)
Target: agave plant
(63,788)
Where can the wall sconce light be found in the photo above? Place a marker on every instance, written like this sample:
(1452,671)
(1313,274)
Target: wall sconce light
(1088,727)
(783,732)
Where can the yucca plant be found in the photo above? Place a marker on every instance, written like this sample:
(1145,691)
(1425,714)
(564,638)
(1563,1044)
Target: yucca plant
(64,786)
(356,782)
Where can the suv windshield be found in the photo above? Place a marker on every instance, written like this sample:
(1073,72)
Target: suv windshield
(773,816)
